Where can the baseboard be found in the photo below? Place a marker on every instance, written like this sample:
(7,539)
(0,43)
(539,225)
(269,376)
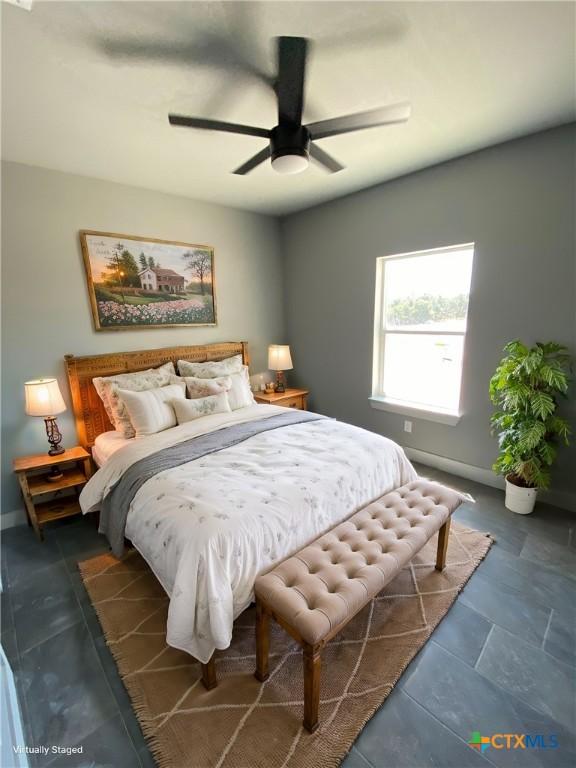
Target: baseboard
(562,499)
(10,519)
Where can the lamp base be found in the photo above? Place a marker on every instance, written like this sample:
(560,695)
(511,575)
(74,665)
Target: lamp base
(54,436)
(54,474)
(280,383)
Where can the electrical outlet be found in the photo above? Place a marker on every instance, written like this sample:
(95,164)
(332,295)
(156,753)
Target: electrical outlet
(407,426)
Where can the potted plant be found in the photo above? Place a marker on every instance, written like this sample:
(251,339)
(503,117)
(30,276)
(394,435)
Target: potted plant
(525,388)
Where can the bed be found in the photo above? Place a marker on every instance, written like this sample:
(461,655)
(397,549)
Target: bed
(209,526)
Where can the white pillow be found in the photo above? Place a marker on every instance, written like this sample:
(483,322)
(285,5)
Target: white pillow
(107,388)
(240,395)
(151,411)
(188,410)
(212,369)
(205,387)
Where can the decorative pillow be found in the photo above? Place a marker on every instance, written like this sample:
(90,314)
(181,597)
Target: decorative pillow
(151,411)
(240,394)
(107,388)
(205,387)
(188,410)
(212,369)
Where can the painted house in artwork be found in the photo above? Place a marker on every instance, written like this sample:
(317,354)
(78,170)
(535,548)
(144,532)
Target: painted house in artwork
(163,280)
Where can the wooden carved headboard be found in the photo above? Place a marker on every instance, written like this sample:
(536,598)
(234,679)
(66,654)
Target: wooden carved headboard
(89,412)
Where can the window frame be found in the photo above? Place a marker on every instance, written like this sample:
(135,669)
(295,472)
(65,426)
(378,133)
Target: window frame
(378,399)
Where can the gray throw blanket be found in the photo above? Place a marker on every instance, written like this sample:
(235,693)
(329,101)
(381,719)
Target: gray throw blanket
(116,504)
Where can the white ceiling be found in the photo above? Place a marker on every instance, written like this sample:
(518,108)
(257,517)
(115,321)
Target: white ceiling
(476,74)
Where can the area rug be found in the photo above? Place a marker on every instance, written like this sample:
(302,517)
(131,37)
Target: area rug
(243,723)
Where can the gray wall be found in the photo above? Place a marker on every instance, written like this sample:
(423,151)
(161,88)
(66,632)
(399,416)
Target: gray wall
(45,309)
(517,202)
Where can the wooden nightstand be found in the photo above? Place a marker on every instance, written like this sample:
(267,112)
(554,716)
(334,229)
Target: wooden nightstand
(76,466)
(292,398)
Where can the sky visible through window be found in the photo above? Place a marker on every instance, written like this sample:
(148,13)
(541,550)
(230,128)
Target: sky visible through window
(446,273)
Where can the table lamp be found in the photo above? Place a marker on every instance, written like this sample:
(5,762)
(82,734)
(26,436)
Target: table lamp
(43,398)
(279,360)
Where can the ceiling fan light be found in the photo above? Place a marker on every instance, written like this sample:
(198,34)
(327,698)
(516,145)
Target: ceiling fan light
(290,164)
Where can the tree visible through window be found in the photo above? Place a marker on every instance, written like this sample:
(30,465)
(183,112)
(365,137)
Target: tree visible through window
(420,327)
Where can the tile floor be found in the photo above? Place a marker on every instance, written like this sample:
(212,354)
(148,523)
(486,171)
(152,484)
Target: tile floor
(503,659)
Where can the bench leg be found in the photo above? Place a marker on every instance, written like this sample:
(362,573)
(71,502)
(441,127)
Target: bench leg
(262,641)
(311,658)
(209,679)
(443,536)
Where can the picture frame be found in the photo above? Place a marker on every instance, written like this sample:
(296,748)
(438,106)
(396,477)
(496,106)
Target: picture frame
(145,282)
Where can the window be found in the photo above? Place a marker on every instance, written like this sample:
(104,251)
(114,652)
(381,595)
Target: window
(419,331)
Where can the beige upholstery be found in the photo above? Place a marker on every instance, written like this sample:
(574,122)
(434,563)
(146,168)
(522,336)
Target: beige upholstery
(319,589)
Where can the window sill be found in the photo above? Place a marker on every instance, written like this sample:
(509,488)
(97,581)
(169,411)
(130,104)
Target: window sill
(397,406)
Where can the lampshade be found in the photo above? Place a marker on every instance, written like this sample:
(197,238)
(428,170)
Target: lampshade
(279,357)
(43,398)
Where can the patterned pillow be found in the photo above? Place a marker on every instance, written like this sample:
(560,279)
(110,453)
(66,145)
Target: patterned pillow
(205,387)
(108,386)
(151,411)
(212,369)
(188,410)
(236,386)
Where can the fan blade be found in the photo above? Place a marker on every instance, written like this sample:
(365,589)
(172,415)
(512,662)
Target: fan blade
(395,113)
(249,165)
(218,125)
(291,73)
(323,158)
(243,35)
(213,53)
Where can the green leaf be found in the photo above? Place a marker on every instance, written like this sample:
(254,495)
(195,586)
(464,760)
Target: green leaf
(561,428)
(551,348)
(547,452)
(516,348)
(532,473)
(554,376)
(532,360)
(542,405)
(531,435)
(515,396)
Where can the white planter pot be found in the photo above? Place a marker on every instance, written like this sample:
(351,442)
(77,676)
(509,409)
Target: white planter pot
(520,500)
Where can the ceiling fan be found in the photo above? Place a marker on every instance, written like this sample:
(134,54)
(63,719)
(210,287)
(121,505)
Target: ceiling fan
(292,144)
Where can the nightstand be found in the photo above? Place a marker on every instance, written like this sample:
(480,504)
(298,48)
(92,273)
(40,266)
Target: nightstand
(32,472)
(292,398)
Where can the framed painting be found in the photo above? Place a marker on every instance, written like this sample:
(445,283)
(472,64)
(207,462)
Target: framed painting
(137,282)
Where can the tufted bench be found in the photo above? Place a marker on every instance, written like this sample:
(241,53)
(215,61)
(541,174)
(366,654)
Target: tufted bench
(317,591)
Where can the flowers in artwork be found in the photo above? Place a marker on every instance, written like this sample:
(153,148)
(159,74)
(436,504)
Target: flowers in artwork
(182,311)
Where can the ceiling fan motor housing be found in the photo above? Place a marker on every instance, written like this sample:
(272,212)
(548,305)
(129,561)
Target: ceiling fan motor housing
(287,139)
(291,143)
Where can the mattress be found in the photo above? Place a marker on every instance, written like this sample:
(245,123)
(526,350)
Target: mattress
(107,444)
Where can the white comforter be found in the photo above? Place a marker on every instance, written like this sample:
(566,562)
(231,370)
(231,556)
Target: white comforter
(209,527)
